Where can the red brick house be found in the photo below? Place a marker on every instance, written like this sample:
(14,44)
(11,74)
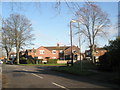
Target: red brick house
(31,52)
(56,52)
(53,52)
(98,52)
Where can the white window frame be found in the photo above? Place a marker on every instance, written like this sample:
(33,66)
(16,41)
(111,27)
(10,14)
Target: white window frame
(53,57)
(40,57)
(61,51)
(53,51)
(42,51)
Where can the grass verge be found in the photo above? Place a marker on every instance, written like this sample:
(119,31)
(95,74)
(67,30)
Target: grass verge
(86,69)
(43,64)
(90,71)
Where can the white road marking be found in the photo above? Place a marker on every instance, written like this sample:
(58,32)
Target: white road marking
(34,74)
(60,86)
(37,75)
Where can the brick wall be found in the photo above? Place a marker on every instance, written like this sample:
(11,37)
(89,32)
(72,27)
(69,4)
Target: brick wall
(47,53)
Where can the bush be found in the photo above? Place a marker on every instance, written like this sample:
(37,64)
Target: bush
(23,60)
(30,61)
(110,61)
(38,61)
(52,61)
(104,63)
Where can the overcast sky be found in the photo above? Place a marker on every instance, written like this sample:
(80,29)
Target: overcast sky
(50,27)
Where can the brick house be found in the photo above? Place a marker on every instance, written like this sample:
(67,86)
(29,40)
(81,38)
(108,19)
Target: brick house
(57,52)
(98,52)
(52,52)
(31,52)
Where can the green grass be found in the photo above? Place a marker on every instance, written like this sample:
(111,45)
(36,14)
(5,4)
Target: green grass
(76,68)
(44,64)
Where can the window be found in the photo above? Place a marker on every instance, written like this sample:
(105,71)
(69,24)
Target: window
(53,57)
(61,51)
(74,51)
(54,51)
(41,51)
(96,51)
(39,57)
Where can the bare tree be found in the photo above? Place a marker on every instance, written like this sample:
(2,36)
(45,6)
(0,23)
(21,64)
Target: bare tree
(20,30)
(93,23)
(7,39)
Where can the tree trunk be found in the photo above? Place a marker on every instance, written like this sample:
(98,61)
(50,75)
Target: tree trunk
(17,52)
(93,59)
(8,53)
(7,56)
(17,55)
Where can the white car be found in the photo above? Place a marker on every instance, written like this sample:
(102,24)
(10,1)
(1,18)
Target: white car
(1,62)
(44,61)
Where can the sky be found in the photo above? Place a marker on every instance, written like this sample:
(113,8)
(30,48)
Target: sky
(51,27)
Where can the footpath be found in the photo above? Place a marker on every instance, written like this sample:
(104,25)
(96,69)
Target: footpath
(0,76)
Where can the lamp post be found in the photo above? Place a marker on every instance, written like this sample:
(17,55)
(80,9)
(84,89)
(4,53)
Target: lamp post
(72,21)
(71,43)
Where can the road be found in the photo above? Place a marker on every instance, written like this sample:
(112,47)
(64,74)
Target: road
(0,76)
(16,76)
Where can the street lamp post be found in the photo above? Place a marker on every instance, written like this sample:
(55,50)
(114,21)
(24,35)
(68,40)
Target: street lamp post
(71,42)
(72,21)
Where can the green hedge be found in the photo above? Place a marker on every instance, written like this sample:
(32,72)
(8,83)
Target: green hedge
(52,61)
(39,61)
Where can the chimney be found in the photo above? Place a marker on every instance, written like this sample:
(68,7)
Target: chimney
(58,44)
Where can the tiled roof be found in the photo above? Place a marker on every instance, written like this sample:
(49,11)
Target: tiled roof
(57,48)
(29,50)
(100,49)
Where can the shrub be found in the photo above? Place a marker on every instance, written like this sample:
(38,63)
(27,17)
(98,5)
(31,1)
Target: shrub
(23,60)
(110,61)
(104,63)
(38,61)
(30,61)
(52,61)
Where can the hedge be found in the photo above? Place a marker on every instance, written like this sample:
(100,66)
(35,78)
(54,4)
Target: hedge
(52,61)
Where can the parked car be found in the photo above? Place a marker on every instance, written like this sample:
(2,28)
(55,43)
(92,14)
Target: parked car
(44,61)
(9,62)
(1,61)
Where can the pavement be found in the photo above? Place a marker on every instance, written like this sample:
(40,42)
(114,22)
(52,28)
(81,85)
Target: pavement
(17,76)
(0,76)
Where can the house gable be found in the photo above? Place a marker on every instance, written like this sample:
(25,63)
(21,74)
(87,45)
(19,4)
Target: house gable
(47,53)
(74,48)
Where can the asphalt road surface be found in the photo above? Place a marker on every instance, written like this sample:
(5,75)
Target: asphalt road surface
(16,76)
(0,76)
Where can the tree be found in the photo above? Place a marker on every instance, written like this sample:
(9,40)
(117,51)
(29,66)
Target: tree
(93,23)
(20,31)
(7,39)
(110,61)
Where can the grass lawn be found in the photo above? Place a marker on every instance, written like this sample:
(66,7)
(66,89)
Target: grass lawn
(44,64)
(89,70)
(86,68)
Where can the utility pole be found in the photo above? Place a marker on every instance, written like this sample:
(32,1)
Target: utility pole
(71,42)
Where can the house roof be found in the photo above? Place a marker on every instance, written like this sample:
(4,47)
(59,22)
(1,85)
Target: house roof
(29,50)
(100,49)
(57,48)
